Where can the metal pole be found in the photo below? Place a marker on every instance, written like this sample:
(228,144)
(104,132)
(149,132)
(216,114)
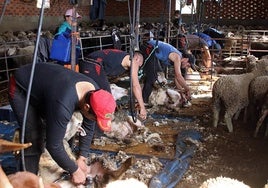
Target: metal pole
(3,10)
(169,21)
(137,23)
(74,39)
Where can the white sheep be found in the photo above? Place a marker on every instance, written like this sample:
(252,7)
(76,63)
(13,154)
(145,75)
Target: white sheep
(232,92)
(263,115)
(130,183)
(24,55)
(223,182)
(257,89)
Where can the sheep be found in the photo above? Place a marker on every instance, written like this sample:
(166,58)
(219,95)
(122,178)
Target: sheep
(219,182)
(20,179)
(232,91)
(257,89)
(30,180)
(230,43)
(48,168)
(24,55)
(131,183)
(263,115)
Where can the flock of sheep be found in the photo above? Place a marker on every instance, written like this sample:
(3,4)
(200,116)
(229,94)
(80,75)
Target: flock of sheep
(248,91)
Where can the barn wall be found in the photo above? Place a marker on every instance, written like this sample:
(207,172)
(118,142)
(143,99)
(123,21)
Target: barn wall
(23,14)
(229,12)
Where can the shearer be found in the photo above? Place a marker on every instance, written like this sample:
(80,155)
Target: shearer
(56,93)
(114,63)
(168,55)
(189,43)
(213,45)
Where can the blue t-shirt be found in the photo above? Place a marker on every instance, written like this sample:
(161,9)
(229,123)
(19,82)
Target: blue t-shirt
(163,51)
(210,42)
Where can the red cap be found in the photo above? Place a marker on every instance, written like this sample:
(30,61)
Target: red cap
(103,104)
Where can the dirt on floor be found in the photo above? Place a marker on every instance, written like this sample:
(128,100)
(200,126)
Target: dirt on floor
(236,155)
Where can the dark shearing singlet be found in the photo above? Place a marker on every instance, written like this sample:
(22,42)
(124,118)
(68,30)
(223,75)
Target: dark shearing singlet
(111,60)
(53,101)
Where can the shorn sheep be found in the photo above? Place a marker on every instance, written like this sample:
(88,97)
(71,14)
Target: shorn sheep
(232,91)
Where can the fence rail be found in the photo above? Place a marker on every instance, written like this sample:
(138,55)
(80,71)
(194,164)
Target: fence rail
(243,46)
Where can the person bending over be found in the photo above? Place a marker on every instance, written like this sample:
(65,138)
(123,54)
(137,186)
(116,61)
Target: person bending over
(168,55)
(189,43)
(212,44)
(56,93)
(114,63)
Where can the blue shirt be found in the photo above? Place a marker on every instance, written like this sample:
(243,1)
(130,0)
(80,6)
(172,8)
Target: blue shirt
(163,51)
(210,42)
(65,28)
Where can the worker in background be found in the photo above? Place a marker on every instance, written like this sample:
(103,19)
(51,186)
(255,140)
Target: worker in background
(192,44)
(65,29)
(214,47)
(177,22)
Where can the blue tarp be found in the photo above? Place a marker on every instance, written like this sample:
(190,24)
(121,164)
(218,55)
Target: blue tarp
(8,160)
(174,170)
(6,114)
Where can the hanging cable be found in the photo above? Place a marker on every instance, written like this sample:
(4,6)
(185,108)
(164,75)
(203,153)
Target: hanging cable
(74,37)
(155,47)
(3,10)
(131,53)
(31,81)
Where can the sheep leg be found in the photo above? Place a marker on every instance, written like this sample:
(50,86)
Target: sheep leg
(228,121)
(245,115)
(216,114)
(260,121)
(252,114)
(266,131)
(237,114)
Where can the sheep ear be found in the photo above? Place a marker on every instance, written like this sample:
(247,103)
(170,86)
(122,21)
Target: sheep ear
(11,51)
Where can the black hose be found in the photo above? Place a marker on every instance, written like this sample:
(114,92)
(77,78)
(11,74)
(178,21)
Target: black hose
(131,51)
(31,80)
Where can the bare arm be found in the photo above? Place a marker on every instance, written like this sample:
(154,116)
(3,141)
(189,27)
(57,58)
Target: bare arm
(179,80)
(206,57)
(137,90)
